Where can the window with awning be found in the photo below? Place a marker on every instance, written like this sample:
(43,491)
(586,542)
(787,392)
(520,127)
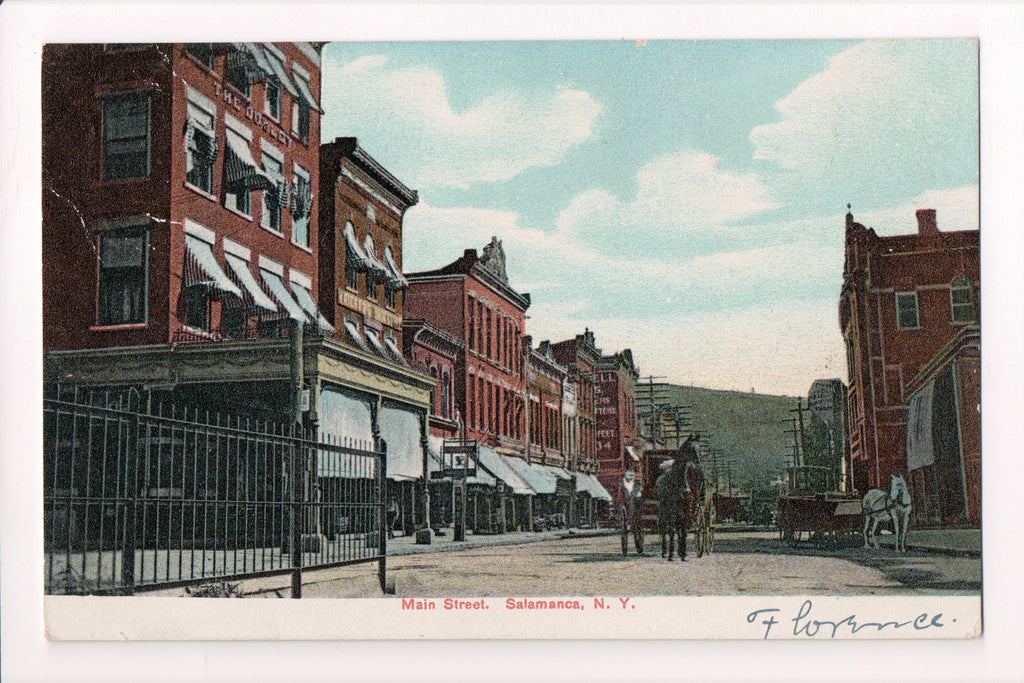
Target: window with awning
(377,269)
(305,299)
(376,343)
(356,256)
(276,286)
(356,336)
(252,294)
(202,269)
(200,145)
(396,353)
(241,171)
(395,278)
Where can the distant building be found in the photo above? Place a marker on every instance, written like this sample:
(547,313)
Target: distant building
(616,419)
(580,357)
(909,312)
(545,379)
(827,403)
(435,352)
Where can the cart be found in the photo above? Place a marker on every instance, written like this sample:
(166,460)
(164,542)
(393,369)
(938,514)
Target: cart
(812,510)
(702,518)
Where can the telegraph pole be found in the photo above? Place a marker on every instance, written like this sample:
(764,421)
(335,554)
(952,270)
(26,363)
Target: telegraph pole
(799,410)
(796,446)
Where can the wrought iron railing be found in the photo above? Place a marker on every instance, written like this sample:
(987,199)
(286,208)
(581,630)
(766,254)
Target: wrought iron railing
(143,499)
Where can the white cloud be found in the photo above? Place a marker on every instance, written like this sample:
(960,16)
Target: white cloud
(956,209)
(680,197)
(880,107)
(499,137)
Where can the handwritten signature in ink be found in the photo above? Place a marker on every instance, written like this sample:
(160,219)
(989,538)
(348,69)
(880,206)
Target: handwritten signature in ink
(806,626)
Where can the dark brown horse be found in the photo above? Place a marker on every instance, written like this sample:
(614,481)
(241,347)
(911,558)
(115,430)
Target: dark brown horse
(680,488)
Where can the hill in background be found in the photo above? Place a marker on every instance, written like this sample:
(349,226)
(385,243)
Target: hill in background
(746,429)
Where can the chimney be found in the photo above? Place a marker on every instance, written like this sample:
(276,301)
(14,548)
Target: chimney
(926,224)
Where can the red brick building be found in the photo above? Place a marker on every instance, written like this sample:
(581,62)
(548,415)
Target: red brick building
(909,313)
(435,352)
(471,299)
(181,243)
(178,179)
(580,357)
(617,440)
(545,380)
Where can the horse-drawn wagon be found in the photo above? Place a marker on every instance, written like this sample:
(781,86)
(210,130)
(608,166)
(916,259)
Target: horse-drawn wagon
(675,499)
(812,509)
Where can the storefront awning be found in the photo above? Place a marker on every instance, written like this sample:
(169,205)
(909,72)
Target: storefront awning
(202,268)
(345,421)
(305,299)
(589,483)
(495,463)
(254,294)
(535,477)
(400,429)
(280,292)
(436,444)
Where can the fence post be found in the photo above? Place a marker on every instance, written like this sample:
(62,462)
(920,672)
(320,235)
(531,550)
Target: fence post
(130,532)
(294,516)
(382,500)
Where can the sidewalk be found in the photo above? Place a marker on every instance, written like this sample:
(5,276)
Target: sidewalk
(406,545)
(965,542)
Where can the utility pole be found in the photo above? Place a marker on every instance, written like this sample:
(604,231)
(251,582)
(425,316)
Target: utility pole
(799,410)
(796,448)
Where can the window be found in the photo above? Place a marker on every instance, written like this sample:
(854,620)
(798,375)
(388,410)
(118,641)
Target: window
(301,204)
(272,100)
(272,199)
(238,75)
(389,297)
(197,308)
(241,200)
(200,147)
(300,120)
(962,301)
(204,53)
(122,278)
(351,275)
(906,311)
(126,136)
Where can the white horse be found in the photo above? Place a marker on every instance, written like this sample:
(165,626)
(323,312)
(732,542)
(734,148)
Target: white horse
(896,505)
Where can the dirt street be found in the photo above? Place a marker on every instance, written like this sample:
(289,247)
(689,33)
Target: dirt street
(742,564)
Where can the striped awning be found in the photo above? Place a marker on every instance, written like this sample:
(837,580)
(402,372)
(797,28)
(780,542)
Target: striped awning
(356,255)
(302,83)
(253,294)
(250,59)
(305,299)
(376,266)
(202,269)
(241,172)
(395,278)
(283,296)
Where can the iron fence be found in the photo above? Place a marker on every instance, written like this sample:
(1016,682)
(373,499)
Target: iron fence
(138,499)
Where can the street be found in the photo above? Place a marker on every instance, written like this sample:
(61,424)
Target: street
(745,563)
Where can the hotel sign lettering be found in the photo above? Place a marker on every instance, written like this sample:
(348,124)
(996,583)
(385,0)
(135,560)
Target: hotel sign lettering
(263,122)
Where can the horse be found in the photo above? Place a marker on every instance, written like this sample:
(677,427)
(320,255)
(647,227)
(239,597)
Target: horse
(680,486)
(877,506)
(631,493)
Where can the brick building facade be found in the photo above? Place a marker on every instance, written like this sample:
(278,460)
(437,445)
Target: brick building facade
(615,394)
(909,307)
(545,380)
(580,357)
(435,352)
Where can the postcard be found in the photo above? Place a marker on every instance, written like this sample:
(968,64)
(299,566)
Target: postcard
(674,337)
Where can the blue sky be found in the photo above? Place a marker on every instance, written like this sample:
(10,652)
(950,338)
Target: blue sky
(682,198)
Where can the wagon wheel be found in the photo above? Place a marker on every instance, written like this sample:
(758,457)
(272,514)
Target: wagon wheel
(712,520)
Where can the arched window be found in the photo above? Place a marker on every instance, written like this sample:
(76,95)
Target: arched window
(961,300)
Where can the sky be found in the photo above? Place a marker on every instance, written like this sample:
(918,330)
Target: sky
(684,199)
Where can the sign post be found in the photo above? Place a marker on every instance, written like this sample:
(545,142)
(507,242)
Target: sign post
(458,461)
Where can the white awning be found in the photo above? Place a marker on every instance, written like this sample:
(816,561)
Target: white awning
(355,335)
(400,429)
(280,292)
(305,299)
(589,483)
(254,294)
(370,251)
(376,344)
(396,353)
(632,453)
(540,481)
(495,463)
(395,278)
(355,251)
(252,58)
(345,421)
(203,268)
